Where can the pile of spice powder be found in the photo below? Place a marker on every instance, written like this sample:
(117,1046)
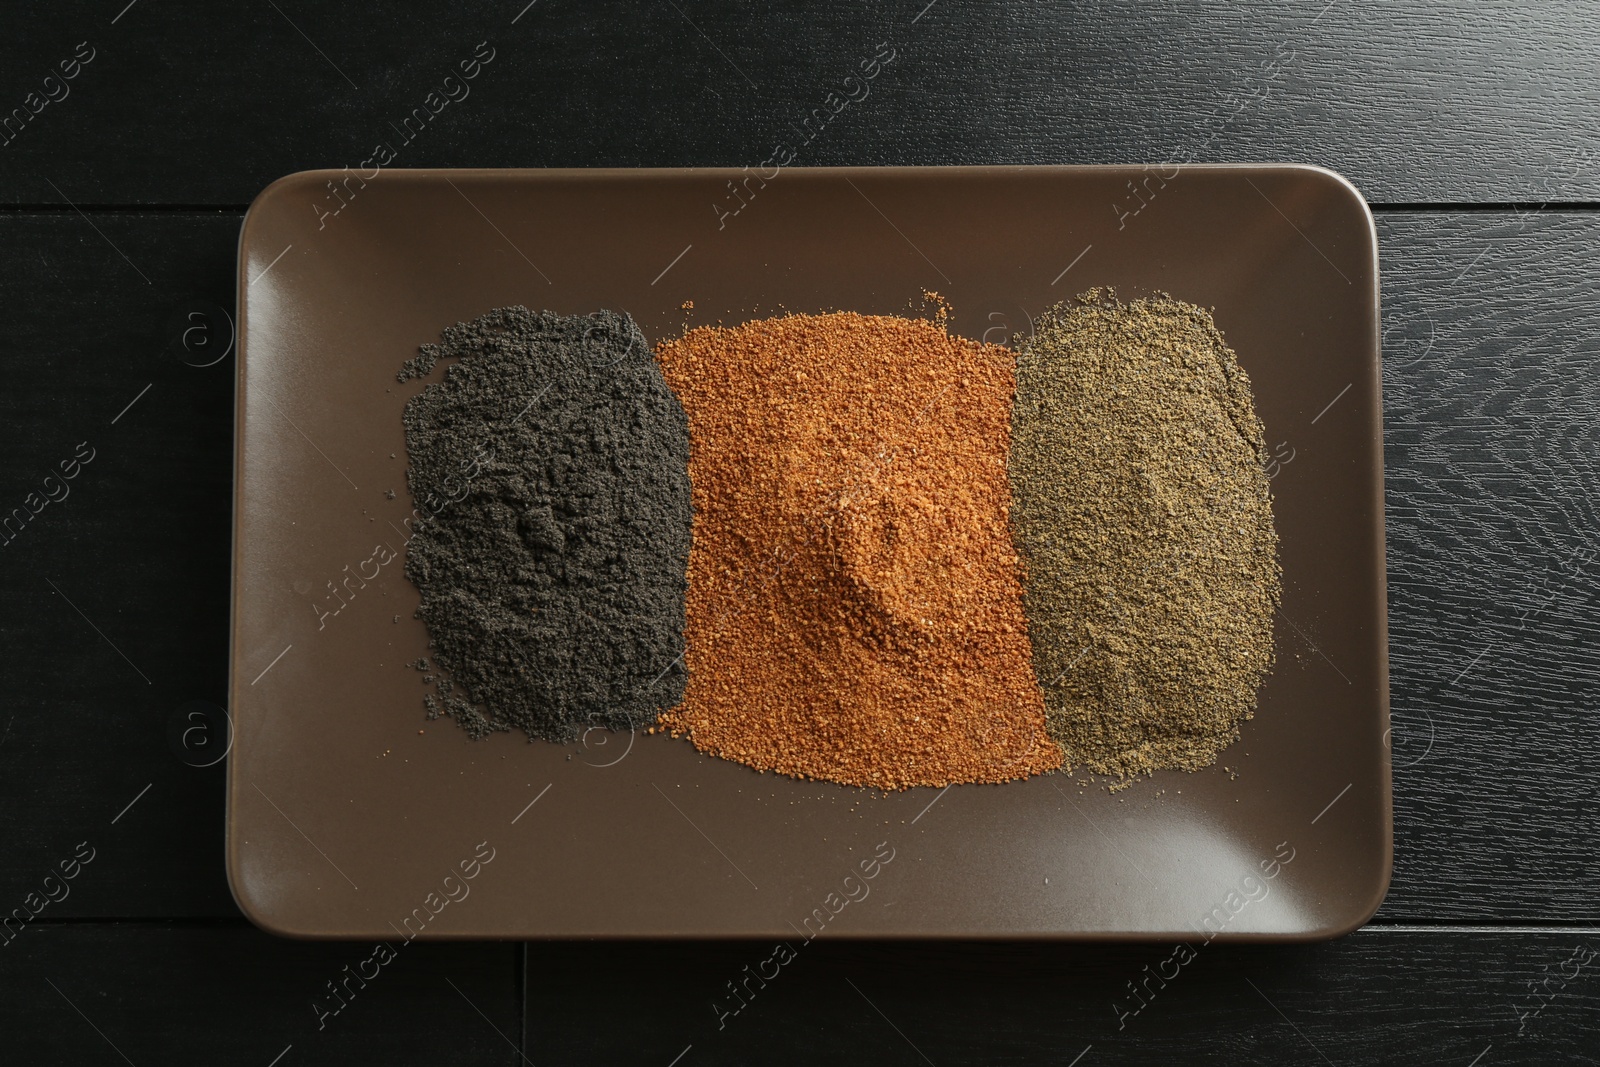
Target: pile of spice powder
(550,471)
(1142,511)
(855,610)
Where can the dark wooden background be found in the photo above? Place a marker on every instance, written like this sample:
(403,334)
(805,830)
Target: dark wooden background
(1472,127)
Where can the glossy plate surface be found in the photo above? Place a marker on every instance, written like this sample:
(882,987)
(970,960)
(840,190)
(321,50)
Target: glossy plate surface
(348,812)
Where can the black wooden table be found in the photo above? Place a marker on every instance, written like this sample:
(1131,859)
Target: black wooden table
(132,136)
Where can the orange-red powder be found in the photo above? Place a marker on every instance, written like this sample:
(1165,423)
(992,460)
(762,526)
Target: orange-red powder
(854,606)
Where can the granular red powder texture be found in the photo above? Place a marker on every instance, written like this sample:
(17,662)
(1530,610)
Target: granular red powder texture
(855,605)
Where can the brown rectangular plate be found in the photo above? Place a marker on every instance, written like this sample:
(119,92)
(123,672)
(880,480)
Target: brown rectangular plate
(349,813)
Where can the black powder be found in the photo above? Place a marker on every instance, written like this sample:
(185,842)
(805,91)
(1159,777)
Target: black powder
(550,471)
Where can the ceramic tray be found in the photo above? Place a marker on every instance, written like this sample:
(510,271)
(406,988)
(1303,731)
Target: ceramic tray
(350,815)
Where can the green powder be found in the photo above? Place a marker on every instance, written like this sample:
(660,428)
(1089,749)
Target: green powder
(1142,512)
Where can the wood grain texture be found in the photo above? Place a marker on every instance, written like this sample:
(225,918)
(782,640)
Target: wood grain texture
(113,600)
(1378,996)
(193,103)
(1492,481)
(108,994)
(1491,406)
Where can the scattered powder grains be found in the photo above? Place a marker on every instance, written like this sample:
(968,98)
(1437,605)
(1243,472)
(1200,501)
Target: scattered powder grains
(550,471)
(854,606)
(1143,514)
